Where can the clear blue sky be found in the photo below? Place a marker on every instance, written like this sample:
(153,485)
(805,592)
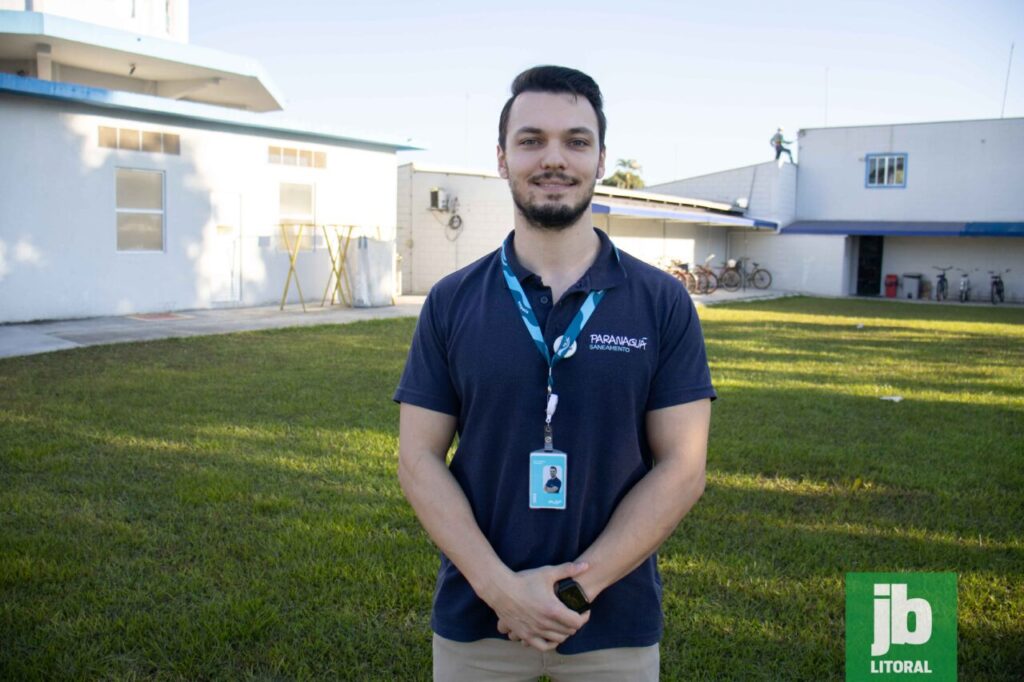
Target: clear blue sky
(690,87)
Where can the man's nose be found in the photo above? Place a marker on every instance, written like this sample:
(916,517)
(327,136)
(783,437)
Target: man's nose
(553,157)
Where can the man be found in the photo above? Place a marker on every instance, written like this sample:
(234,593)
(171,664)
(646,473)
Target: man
(555,350)
(778,141)
(553,485)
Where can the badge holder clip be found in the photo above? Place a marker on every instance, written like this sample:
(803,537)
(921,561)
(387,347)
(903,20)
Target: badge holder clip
(549,413)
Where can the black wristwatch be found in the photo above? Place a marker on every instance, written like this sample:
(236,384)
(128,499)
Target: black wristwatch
(572,595)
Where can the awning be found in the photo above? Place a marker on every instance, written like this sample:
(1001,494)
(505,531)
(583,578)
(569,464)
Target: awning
(174,69)
(904,229)
(681,215)
(994,229)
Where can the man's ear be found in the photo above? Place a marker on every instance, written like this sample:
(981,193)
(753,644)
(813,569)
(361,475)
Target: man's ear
(502,167)
(600,165)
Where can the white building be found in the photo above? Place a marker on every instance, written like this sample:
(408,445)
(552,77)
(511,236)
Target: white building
(872,201)
(447,218)
(139,175)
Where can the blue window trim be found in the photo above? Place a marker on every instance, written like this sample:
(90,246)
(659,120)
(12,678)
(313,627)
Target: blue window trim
(867,169)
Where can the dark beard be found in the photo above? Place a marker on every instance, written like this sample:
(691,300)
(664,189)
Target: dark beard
(553,217)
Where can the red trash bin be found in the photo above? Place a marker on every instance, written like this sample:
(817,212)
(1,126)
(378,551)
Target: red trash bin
(891,282)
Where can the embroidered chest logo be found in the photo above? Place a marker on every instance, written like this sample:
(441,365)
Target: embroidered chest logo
(617,343)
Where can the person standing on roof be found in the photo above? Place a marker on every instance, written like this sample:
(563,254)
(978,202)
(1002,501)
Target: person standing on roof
(778,142)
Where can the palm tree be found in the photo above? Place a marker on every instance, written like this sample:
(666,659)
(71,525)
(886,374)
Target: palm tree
(627,176)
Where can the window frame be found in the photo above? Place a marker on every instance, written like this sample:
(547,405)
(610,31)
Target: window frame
(162,212)
(111,137)
(308,242)
(297,157)
(869,158)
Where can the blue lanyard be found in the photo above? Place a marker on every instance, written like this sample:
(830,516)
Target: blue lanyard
(530,319)
(566,341)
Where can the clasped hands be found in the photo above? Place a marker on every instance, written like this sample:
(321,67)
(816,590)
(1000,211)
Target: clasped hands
(529,611)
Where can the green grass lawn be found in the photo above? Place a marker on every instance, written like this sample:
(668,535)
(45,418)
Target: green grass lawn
(227,507)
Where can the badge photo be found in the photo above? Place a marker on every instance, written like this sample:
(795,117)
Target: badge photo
(547,479)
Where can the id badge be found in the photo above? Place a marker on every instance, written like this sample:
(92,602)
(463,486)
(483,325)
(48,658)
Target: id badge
(548,479)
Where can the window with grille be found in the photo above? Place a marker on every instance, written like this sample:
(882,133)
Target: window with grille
(297,208)
(886,170)
(140,210)
(153,141)
(304,158)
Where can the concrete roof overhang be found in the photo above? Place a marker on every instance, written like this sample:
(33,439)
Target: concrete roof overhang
(187,111)
(207,75)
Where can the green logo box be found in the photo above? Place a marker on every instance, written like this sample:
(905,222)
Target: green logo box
(900,626)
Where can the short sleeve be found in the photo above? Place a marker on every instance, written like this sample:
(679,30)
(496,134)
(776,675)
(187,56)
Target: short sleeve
(426,380)
(683,374)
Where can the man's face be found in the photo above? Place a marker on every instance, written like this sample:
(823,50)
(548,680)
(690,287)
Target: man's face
(552,157)
(554,472)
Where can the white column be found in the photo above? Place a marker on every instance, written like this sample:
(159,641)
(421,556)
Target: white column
(44,64)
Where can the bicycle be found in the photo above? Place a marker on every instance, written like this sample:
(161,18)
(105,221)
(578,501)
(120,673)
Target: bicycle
(965,287)
(707,280)
(997,290)
(735,275)
(681,271)
(941,283)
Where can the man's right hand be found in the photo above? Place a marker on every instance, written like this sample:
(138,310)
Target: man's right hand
(529,611)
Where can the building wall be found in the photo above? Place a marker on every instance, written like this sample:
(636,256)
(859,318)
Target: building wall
(975,255)
(403,228)
(58,255)
(810,264)
(956,171)
(429,249)
(770,189)
(966,171)
(660,241)
(432,249)
(782,203)
(805,263)
(167,19)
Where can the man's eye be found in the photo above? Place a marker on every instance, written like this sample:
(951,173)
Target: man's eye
(579,143)
(529,141)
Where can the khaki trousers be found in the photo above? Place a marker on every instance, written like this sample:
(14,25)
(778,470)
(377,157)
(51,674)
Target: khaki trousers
(499,660)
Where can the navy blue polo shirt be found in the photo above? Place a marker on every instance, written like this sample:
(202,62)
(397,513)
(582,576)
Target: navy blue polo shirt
(472,357)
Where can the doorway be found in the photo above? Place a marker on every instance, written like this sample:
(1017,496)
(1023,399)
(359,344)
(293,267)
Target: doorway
(226,275)
(869,266)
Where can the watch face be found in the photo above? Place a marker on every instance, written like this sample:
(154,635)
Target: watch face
(573,597)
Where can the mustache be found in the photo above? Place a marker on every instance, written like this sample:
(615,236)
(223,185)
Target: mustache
(552,175)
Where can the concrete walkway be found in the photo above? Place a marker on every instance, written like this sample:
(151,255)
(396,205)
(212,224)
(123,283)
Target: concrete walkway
(723,296)
(44,337)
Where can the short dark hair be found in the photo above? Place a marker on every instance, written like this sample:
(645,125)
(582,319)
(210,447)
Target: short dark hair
(555,79)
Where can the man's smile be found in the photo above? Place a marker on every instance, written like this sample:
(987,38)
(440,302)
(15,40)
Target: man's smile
(553,185)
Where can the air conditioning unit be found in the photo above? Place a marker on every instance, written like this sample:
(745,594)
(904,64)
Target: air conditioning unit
(438,199)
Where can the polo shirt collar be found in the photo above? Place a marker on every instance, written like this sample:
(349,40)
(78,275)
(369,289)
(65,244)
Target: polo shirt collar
(605,273)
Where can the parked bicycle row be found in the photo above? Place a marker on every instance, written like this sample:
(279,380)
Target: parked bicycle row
(732,276)
(996,288)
